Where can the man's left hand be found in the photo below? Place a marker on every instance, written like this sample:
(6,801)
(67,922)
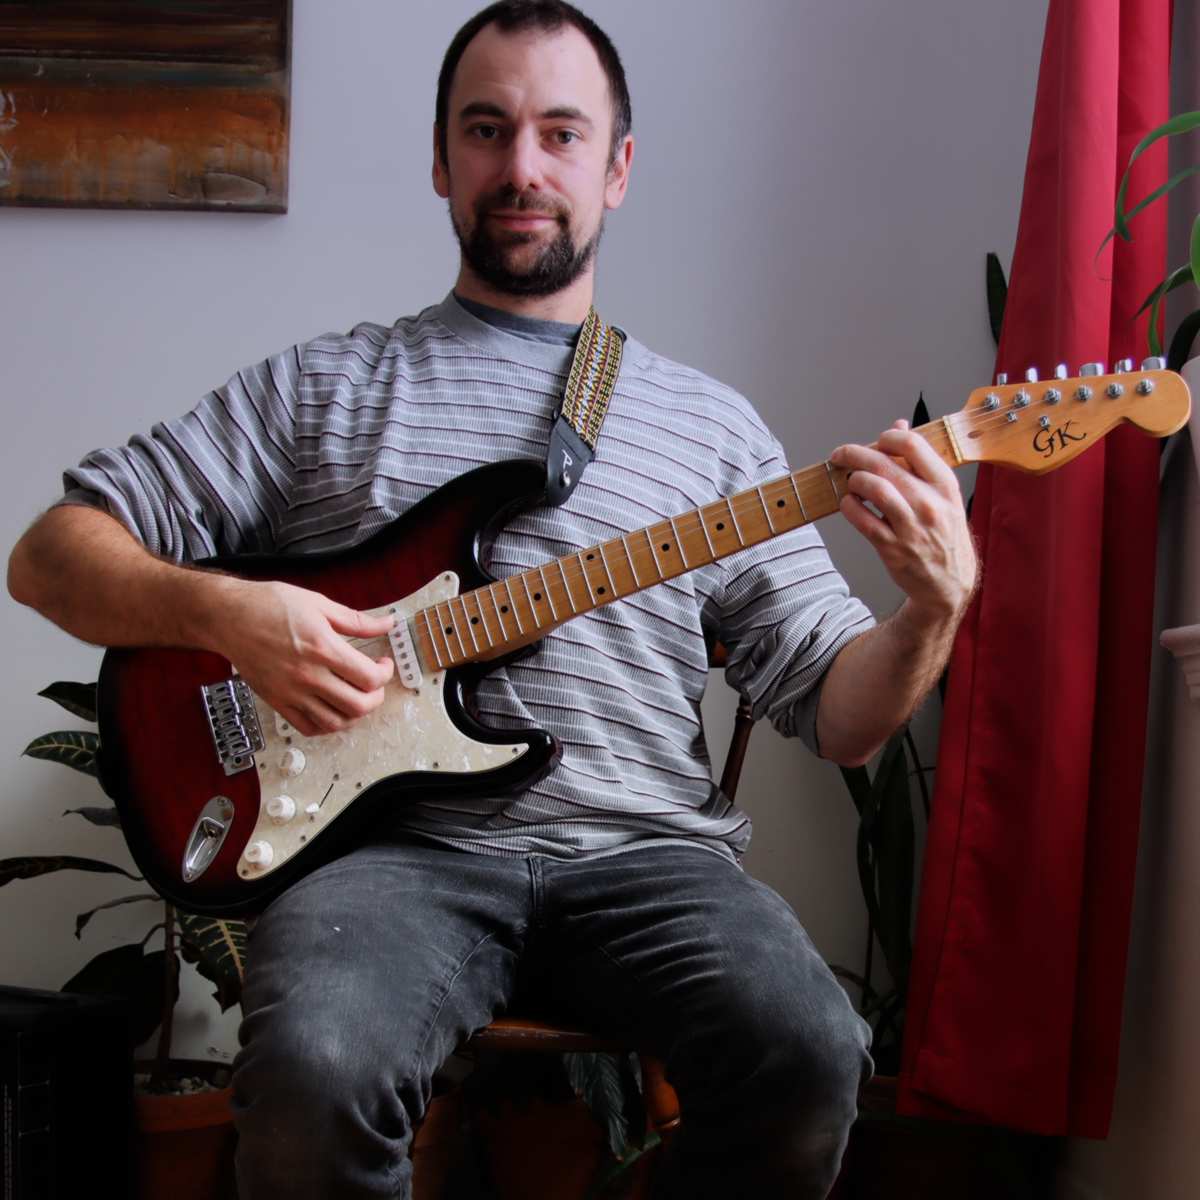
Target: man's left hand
(918,526)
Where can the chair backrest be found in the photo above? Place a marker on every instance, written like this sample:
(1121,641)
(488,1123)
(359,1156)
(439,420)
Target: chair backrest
(743,723)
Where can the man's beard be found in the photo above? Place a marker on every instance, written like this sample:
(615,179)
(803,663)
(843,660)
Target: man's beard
(556,266)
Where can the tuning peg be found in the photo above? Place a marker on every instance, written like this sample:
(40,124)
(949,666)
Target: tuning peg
(1123,366)
(1001,378)
(1157,363)
(1092,368)
(1061,371)
(1031,375)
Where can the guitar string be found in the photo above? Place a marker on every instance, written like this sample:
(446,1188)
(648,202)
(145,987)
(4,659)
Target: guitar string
(940,434)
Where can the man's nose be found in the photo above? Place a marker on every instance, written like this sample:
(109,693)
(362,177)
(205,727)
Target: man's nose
(524,165)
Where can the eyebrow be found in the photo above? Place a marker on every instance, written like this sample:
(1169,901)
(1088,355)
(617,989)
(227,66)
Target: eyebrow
(485,108)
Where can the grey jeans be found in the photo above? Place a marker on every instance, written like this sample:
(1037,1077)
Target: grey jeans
(364,976)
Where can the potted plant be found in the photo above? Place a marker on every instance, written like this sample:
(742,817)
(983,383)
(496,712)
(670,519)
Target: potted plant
(182,1106)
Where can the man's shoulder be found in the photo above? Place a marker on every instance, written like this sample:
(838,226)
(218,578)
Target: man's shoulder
(369,346)
(691,389)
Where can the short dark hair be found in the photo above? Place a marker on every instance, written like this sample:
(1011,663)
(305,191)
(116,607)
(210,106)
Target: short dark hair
(510,16)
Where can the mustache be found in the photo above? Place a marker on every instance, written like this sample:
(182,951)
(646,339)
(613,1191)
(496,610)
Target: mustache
(508,197)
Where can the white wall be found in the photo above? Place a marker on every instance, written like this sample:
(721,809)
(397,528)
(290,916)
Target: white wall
(814,191)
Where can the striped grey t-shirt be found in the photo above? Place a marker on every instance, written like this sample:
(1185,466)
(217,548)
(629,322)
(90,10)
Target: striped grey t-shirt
(317,447)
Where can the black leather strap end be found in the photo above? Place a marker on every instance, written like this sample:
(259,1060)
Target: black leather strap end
(568,455)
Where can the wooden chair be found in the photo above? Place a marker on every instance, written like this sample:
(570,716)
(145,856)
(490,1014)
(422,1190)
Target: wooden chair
(515,1033)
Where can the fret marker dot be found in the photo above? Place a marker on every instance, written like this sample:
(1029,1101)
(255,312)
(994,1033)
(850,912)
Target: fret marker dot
(504,608)
(449,628)
(720,526)
(537,595)
(590,557)
(599,591)
(781,504)
(666,545)
(474,620)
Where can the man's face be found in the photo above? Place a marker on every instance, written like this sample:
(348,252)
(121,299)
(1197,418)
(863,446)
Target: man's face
(529,171)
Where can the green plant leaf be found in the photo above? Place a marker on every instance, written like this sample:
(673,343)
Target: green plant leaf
(1181,343)
(83,918)
(1194,251)
(612,1170)
(894,851)
(137,978)
(920,411)
(1179,124)
(79,699)
(596,1080)
(218,950)
(997,294)
(1171,183)
(70,747)
(97,816)
(1176,279)
(31,866)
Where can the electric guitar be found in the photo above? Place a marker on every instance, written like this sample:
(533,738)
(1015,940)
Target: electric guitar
(224,804)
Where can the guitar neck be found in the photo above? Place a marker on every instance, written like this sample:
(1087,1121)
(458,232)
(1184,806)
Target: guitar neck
(501,617)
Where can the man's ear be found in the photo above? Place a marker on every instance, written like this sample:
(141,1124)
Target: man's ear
(618,174)
(441,177)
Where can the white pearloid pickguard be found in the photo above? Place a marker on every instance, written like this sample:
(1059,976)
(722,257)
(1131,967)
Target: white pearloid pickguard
(410,731)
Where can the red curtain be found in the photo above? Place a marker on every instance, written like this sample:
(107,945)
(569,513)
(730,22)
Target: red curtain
(1014,1004)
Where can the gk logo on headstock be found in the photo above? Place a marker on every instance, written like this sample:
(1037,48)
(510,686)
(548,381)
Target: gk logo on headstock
(1047,441)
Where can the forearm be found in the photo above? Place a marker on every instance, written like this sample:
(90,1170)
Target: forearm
(84,571)
(878,680)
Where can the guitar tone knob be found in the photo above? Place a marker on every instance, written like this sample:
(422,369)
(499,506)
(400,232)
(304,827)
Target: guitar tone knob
(293,762)
(281,809)
(260,854)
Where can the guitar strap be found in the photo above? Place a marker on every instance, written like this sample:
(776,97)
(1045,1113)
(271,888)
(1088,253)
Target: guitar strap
(590,387)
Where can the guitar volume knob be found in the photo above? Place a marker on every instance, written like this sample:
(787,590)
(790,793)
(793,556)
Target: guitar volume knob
(260,854)
(281,809)
(293,762)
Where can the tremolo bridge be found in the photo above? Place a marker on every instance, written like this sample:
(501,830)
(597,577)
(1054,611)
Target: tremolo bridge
(233,721)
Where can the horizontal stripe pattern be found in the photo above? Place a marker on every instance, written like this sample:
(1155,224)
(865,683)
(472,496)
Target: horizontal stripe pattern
(318,447)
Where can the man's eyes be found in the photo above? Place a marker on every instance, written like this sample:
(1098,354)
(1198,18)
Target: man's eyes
(492,133)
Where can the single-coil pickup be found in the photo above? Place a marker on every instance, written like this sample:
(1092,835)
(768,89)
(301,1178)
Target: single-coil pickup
(408,668)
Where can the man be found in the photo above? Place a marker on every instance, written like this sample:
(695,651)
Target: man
(613,881)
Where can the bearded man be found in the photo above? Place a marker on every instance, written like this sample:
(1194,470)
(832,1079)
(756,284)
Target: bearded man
(614,880)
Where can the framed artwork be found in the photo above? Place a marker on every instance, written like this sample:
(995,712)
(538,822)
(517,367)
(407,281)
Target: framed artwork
(159,104)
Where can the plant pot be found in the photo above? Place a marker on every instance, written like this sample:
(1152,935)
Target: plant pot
(184,1144)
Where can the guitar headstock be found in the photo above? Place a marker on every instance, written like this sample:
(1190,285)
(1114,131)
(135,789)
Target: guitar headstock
(1039,425)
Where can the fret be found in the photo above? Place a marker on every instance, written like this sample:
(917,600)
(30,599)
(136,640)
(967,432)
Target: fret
(679,543)
(566,585)
(803,510)
(512,605)
(466,617)
(437,654)
(766,511)
(833,482)
(546,592)
(704,530)
(612,587)
(529,596)
(487,633)
(587,582)
(654,554)
(491,591)
(453,628)
(632,565)
(733,517)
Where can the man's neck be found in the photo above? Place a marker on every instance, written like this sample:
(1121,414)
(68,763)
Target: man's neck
(569,305)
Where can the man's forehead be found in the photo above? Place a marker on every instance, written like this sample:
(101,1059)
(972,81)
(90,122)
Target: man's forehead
(553,71)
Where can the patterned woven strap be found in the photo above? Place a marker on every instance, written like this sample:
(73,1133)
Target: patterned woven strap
(593,377)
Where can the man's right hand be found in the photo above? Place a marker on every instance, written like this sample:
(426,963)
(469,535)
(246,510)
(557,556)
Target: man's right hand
(289,644)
